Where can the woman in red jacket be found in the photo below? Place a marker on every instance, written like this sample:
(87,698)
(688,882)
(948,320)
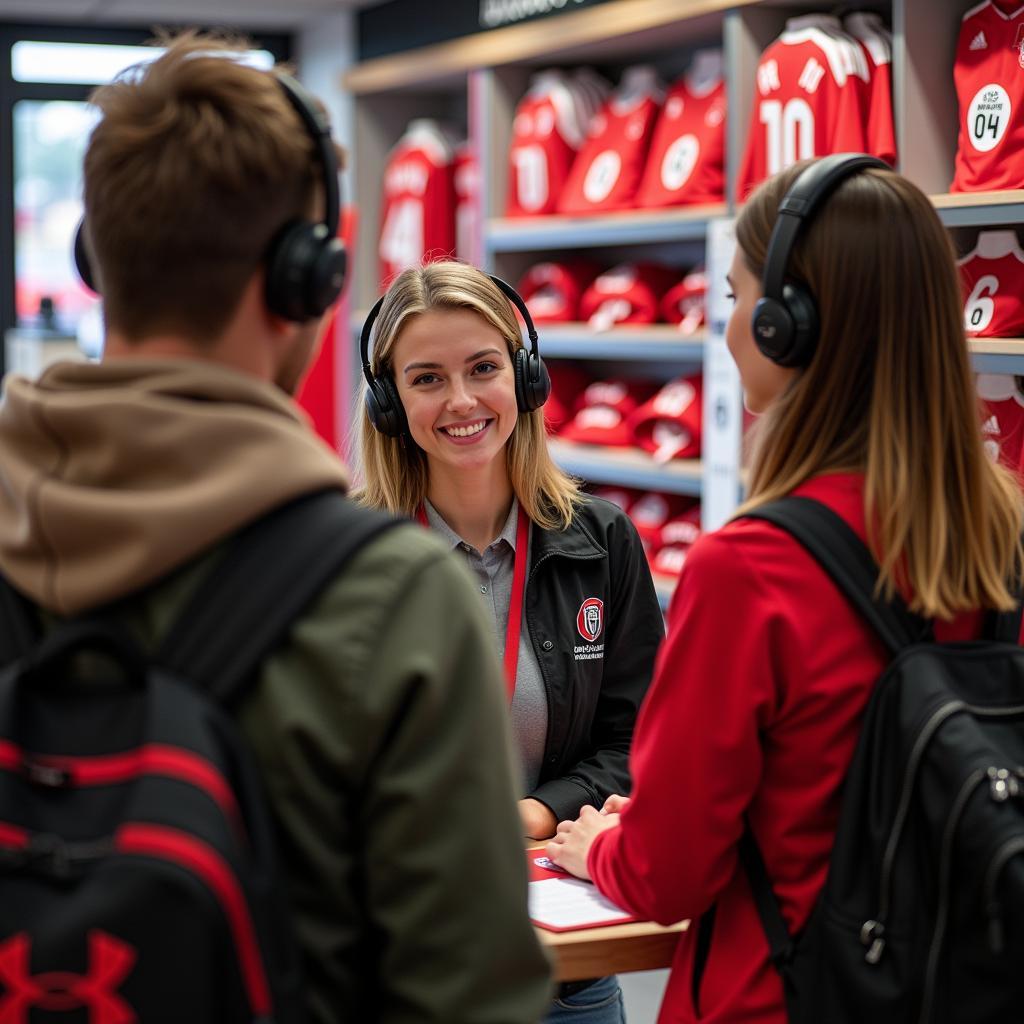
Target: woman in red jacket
(761,685)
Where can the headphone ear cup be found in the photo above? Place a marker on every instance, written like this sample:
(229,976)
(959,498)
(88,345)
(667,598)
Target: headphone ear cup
(803,311)
(81,254)
(288,263)
(384,408)
(533,383)
(772,327)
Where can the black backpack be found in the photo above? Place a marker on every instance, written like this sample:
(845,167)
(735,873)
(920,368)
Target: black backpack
(137,867)
(921,919)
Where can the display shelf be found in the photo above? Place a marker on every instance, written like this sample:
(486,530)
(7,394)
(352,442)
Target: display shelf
(980,209)
(655,343)
(997,355)
(630,227)
(627,467)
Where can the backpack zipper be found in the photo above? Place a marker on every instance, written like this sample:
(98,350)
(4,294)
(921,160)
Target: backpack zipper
(995,914)
(872,932)
(970,784)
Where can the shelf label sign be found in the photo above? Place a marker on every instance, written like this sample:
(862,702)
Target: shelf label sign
(723,397)
(495,13)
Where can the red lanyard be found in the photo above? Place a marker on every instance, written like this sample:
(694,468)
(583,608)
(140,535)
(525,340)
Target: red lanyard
(515,607)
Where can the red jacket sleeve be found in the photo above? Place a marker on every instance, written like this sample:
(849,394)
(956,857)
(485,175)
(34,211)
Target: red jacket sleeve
(696,759)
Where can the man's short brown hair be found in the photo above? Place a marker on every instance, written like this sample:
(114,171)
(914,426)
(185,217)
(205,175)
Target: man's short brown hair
(197,163)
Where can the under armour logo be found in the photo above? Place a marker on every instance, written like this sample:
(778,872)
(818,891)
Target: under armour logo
(110,962)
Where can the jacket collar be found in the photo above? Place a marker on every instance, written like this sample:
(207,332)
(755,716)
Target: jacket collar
(576,541)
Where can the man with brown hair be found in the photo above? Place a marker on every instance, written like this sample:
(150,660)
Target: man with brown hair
(379,724)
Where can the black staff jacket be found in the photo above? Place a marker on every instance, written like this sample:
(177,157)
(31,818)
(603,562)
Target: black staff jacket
(595,625)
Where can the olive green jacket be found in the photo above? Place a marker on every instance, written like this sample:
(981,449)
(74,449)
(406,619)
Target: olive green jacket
(380,726)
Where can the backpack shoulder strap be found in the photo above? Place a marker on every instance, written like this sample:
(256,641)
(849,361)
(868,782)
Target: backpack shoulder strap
(842,554)
(18,635)
(780,942)
(271,572)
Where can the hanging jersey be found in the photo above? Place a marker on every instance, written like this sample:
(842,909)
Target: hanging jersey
(607,170)
(683,304)
(989,77)
(552,291)
(467,206)
(870,32)
(686,162)
(1002,418)
(418,211)
(993,280)
(808,101)
(627,294)
(546,135)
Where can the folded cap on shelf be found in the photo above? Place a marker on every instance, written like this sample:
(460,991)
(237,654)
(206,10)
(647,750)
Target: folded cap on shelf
(629,293)
(669,425)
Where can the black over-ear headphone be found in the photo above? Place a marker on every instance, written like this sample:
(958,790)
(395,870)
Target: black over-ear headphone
(384,407)
(785,322)
(306,262)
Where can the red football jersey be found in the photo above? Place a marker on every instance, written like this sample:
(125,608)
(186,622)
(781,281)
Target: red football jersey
(627,294)
(686,162)
(683,304)
(418,211)
(989,77)
(993,277)
(546,135)
(870,32)
(552,291)
(467,206)
(1003,422)
(607,170)
(808,102)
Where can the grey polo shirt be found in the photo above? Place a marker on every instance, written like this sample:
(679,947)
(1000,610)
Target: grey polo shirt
(493,569)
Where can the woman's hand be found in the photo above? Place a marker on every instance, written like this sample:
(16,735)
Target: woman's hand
(571,844)
(615,804)
(538,819)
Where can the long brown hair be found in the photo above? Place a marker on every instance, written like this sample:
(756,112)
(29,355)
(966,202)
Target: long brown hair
(889,393)
(395,470)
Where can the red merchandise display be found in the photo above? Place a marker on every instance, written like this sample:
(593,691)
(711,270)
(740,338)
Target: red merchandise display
(809,100)
(567,384)
(674,542)
(607,170)
(627,294)
(993,276)
(1003,418)
(652,510)
(669,425)
(683,304)
(686,162)
(547,132)
(552,291)
(418,210)
(871,33)
(603,413)
(623,497)
(989,77)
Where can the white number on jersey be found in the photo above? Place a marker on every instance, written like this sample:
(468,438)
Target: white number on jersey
(790,132)
(680,160)
(988,117)
(811,76)
(980,308)
(401,240)
(531,169)
(601,176)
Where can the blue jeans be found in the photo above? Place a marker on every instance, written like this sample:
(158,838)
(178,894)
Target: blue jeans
(600,1003)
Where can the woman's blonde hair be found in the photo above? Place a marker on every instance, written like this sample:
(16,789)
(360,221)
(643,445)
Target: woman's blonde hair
(889,393)
(395,468)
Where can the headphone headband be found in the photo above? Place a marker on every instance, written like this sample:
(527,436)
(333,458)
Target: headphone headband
(812,186)
(503,286)
(319,129)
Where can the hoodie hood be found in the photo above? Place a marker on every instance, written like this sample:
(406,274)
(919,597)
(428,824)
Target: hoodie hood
(114,474)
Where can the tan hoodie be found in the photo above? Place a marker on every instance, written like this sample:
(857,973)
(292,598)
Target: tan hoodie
(85,521)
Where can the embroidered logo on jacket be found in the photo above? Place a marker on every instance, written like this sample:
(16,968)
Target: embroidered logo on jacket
(590,623)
